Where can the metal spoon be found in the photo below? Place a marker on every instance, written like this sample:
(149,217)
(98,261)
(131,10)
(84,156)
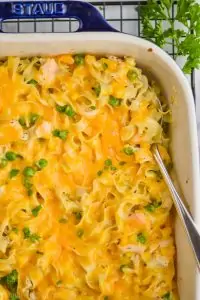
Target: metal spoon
(184,214)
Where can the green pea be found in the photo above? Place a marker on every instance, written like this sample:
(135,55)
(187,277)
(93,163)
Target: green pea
(132,75)
(151,207)
(128,150)
(69,111)
(108,162)
(29,172)
(42,163)
(141,238)
(3,163)
(10,155)
(115,102)
(79,59)
(27,183)
(13,173)
(62,134)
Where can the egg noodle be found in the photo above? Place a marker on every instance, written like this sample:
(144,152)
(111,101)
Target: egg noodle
(85,213)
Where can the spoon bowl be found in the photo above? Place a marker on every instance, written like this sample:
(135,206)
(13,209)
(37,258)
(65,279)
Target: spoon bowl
(184,214)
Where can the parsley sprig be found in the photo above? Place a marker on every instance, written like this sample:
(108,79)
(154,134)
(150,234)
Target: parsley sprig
(10,281)
(186,36)
(32,237)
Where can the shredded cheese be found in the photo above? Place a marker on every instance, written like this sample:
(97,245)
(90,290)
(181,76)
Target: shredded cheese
(85,213)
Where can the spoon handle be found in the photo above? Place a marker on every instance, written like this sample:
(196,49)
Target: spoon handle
(184,214)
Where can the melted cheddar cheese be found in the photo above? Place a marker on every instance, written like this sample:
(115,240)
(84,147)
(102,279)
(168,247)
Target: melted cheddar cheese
(85,213)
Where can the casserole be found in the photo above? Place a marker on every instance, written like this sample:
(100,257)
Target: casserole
(184,145)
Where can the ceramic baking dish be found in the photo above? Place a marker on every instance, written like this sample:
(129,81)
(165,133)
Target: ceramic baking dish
(184,146)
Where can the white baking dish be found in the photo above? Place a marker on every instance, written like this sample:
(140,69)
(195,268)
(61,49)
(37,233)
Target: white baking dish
(177,90)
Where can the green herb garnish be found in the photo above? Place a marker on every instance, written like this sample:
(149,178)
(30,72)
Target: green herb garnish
(33,237)
(115,102)
(97,90)
(60,108)
(166,296)
(79,59)
(26,232)
(13,173)
(32,81)
(35,211)
(62,134)
(14,297)
(22,122)
(186,40)
(10,281)
(141,238)
(33,119)
(66,109)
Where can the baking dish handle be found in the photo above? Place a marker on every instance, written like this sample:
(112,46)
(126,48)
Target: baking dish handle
(90,19)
